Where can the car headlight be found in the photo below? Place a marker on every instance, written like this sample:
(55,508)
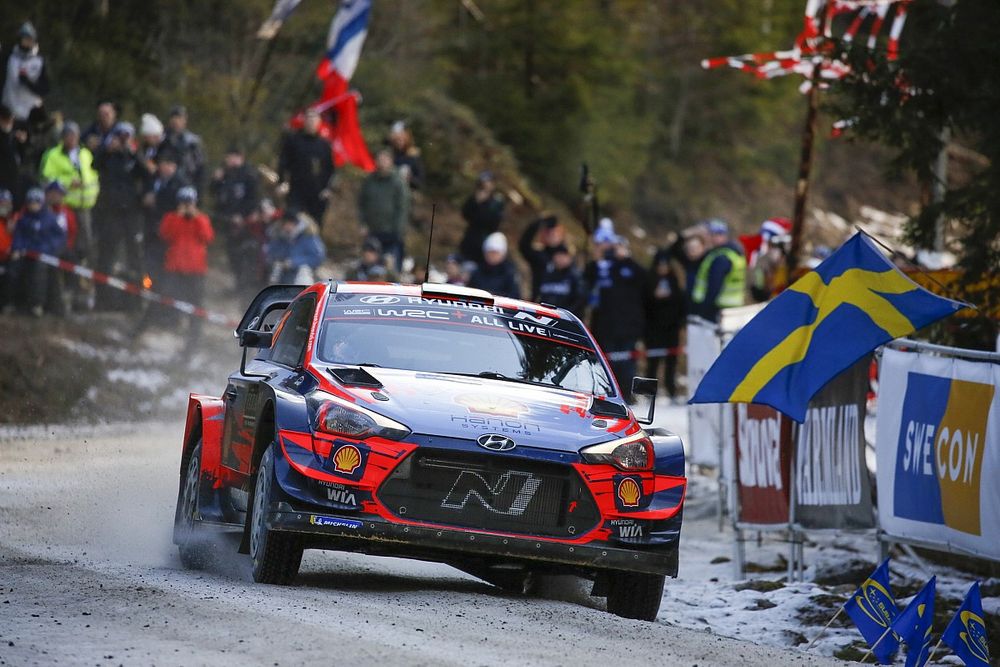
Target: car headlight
(337,417)
(634,452)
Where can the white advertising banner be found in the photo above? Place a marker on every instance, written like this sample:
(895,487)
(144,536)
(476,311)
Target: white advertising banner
(938,451)
(705,422)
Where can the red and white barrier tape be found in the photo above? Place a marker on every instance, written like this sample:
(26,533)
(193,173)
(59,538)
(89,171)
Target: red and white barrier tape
(653,352)
(131,288)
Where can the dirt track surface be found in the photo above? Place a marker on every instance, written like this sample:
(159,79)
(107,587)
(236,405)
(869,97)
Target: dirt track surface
(88,576)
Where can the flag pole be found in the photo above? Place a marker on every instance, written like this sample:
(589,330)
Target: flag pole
(825,627)
(877,642)
(934,650)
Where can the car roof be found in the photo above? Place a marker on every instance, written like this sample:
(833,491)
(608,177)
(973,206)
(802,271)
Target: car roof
(454,292)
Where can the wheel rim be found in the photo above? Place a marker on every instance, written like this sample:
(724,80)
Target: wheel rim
(189,506)
(260,494)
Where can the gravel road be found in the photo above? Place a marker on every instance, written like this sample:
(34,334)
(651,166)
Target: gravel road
(88,576)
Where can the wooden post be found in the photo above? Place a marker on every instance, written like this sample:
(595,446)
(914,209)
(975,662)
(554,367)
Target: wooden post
(805,169)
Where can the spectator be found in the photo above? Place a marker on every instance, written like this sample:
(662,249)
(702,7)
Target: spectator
(55,201)
(187,146)
(665,305)
(158,200)
(73,166)
(6,228)
(561,282)
(36,230)
(497,274)
(371,267)
(150,139)
(384,205)
(306,169)
(483,213)
(720,280)
(96,136)
(24,78)
(234,187)
(539,242)
(694,244)
(454,271)
(406,156)
(295,250)
(13,146)
(187,232)
(117,223)
(617,317)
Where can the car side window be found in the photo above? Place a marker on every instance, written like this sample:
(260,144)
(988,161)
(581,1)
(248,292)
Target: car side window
(290,346)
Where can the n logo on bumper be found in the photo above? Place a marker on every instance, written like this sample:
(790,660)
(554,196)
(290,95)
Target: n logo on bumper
(501,498)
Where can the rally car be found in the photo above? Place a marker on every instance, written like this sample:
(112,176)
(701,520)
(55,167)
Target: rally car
(437,423)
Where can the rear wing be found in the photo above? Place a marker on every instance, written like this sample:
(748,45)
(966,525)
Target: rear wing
(268,300)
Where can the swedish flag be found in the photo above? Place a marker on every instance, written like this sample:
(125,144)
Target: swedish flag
(850,304)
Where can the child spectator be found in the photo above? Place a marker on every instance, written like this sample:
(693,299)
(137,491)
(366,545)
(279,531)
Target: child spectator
(186,232)
(371,267)
(36,230)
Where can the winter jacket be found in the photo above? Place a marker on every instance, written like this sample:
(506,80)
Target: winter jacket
(306,164)
(618,312)
(384,204)
(498,279)
(563,288)
(117,173)
(190,154)
(377,273)
(39,232)
(5,240)
(304,248)
(665,310)
(236,192)
(12,154)
(77,175)
(537,259)
(410,159)
(187,240)
(25,81)
(67,220)
(165,199)
(483,218)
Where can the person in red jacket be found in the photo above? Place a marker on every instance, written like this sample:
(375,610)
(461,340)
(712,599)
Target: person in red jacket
(186,232)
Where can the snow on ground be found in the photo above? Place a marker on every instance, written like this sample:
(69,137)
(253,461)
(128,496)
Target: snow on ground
(763,607)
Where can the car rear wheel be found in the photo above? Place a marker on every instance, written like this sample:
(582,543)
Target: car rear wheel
(635,594)
(194,550)
(276,556)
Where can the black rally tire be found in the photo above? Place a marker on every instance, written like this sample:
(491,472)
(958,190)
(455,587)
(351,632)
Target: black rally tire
(635,594)
(195,550)
(276,556)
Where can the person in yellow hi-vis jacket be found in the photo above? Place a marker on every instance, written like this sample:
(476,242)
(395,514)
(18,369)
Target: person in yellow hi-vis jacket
(73,166)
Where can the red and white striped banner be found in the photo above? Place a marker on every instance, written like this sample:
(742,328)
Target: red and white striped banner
(653,352)
(121,285)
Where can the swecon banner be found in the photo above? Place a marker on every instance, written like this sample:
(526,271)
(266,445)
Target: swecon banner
(938,451)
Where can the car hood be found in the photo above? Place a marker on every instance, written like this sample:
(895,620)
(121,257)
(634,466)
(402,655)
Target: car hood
(462,407)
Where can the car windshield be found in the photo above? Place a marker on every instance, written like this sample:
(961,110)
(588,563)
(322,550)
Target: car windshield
(428,335)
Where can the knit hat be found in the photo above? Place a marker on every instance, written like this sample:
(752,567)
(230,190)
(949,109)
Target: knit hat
(150,125)
(35,195)
(27,29)
(495,242)
(605,232)
(69,127)
(124,128)
(716,226)
(187,194)
(55,186)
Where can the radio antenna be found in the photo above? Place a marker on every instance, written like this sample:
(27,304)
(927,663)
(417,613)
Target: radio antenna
(430,242)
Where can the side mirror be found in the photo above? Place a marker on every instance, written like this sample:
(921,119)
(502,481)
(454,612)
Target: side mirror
(646,387)
(258,339)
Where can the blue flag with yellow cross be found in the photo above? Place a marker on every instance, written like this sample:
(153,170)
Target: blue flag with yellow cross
(832,316)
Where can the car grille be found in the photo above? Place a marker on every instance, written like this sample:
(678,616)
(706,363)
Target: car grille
(490,492)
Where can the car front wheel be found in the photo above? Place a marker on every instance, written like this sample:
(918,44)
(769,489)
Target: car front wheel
(276,556)
(635,594)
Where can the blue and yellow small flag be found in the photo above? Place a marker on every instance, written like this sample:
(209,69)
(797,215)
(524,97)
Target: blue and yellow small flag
(913,625)
(966,633)
(873,609)
(846,307)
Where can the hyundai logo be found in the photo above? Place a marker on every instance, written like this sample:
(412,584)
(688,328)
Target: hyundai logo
(496,443)
(379,300)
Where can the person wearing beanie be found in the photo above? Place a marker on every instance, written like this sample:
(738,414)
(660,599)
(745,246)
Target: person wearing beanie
(371,267)
(497,274)
(36,230)
(234,191)
(24,78)
(384,207)
(159,199)
(187,146)
(150,139)
(720,280)
(186,232)
(406,156)
(483,213)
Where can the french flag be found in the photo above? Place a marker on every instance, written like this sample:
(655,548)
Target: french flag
(343,45)
(338,106)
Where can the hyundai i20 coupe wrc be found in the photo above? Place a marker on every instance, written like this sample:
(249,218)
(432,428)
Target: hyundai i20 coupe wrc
(431,422)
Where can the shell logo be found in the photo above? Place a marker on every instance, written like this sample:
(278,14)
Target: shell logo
(629,492)
(347,459)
